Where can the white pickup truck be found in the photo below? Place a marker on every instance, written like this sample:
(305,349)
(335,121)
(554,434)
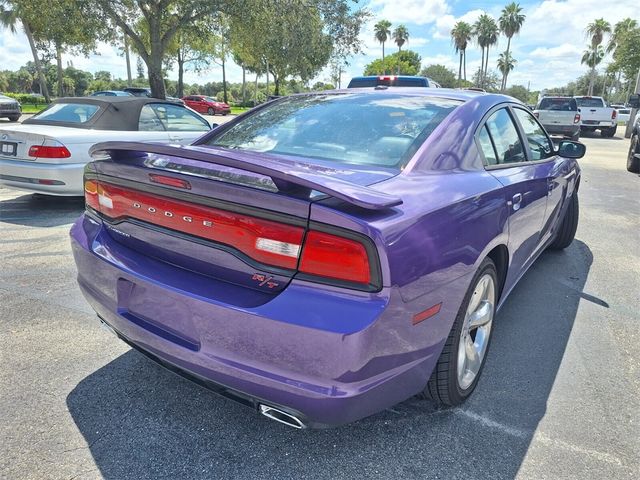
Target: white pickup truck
(596,115)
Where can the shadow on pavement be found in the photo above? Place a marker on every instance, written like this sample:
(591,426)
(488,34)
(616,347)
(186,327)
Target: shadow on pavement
(140,421)
(36,210)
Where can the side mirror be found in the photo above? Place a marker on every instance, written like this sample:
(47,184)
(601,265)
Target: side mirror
(634,100)
(571,149)
(214,125)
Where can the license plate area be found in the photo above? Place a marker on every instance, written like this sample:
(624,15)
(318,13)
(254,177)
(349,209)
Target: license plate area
(8,149)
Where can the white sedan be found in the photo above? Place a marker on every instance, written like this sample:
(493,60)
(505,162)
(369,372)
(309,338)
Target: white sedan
(47,152)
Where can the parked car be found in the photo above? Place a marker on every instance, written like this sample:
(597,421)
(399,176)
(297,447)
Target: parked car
(392,81)
(111,93)
(327,255)
(559,116)
(595,115)
(633,159)
(146,92)
(10,108)
(208,105)
(47,153)
(623,115)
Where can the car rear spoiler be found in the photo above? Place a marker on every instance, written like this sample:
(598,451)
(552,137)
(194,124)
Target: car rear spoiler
(282,173)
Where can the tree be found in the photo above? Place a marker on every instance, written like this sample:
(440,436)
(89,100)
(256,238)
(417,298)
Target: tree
(506,64)
(12,12)
(461,36)
(382,32)
(400,36)
(151,26)
(592,57)
(624,44)
(441,74)
(140,69)
(491,80)
(405,62)
(510,21)
(193,48)
(486,31)
(520,92)
(596,30)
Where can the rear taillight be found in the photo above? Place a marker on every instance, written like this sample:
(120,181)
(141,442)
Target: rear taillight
(614,114)
(335,257)
(46,151)
(576,118)
(262,240)
(326,257)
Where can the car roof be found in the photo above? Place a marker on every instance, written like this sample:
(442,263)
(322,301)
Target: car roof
(116,113)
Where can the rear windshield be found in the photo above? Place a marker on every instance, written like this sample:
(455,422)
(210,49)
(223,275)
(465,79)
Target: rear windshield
(367,129)
(590,102)
(558,104)
(68,113)
(389,82)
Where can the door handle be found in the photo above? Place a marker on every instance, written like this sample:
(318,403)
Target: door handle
(516,201)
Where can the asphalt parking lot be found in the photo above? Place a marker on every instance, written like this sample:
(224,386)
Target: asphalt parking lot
(559,397)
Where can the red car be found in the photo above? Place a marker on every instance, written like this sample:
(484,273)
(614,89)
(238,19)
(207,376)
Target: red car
(208,105)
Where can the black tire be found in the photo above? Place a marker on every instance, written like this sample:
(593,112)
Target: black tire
(224,114)
(14,118)
(443,386)
(608,132)
(569,225)
(633,162)
(211,111)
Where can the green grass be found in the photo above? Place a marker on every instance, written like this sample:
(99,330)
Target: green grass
(238,110)
(32,108)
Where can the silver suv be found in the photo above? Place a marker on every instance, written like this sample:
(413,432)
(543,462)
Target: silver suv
(559,116)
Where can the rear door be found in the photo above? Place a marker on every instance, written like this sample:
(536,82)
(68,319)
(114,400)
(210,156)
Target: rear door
(506,156)
(182,126)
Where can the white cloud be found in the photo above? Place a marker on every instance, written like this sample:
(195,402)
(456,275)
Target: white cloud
(418,12)
(445,23)
(562,51)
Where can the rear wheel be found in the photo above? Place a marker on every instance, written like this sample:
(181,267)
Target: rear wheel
(608,132)
(14,118)
(211,111)
(458,369)
(569,225)
(633,160)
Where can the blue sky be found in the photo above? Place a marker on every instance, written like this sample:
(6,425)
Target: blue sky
(548,49)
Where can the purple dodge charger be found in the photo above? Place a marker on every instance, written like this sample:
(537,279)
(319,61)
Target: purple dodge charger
(325,256)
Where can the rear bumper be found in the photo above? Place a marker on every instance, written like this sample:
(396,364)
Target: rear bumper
(567,130)
(24,175)
(259,355)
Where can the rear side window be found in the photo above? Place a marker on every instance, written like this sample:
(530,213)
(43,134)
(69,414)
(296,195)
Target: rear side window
(558,104)
(503,132)
(68,113)
(486,145)
(590,102)
(175,118)
(368,129)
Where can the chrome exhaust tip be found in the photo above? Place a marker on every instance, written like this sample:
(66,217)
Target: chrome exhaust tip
(280,416)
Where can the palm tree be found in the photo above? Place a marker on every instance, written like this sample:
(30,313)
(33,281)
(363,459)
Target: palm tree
(510,22)
(382,32)
(596,30)
(461,36)
(400,36)
(9,18)
(592,57)
(486,31)
(619,30)
(506,64)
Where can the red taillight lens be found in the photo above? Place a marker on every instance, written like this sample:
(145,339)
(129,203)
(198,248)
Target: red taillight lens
(44,151)
(171,181)
(335,257)
(263,240)
(576,119)
(614,114)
